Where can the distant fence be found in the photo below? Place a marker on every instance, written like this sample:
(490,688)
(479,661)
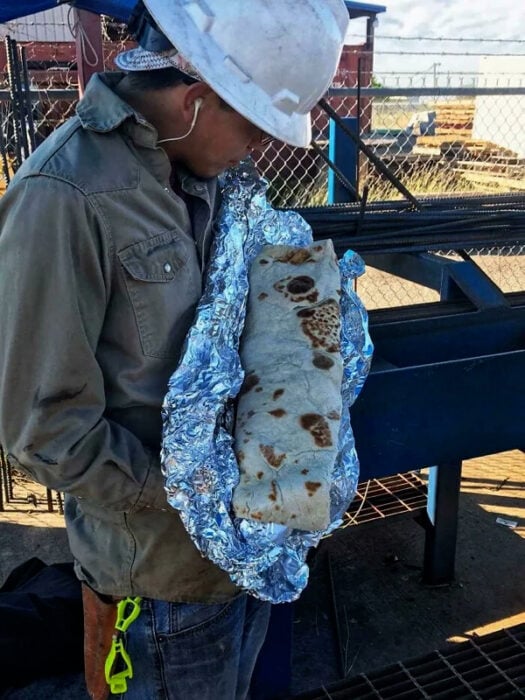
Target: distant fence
(437,142)
(439,133)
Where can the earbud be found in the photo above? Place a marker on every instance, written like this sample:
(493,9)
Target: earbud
(196,107)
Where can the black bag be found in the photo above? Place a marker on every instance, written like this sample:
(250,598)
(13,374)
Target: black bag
(41,623)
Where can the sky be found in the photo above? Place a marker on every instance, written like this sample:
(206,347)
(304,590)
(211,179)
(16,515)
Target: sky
(477,20)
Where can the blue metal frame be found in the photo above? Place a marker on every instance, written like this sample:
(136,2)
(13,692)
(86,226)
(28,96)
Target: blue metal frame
(345,154)
(443,388)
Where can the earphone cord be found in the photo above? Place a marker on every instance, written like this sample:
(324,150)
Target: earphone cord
(193,122)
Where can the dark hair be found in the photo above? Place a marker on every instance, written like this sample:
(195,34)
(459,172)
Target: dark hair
(144,80)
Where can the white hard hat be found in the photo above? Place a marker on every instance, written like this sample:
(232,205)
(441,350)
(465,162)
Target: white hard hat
(271,60)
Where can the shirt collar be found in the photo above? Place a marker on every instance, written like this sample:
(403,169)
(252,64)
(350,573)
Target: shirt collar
(101,109)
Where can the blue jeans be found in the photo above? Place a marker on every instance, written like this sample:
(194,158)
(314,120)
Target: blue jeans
(190,651)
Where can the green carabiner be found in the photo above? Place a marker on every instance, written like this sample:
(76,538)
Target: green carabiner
(128,610)
(117,681)
(124,618)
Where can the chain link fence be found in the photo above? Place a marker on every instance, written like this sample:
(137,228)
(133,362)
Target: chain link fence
(440,132)
(436,141)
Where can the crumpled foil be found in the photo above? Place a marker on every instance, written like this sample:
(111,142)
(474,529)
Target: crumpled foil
(268,560)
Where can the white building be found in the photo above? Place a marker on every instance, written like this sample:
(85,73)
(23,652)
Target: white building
(501,119)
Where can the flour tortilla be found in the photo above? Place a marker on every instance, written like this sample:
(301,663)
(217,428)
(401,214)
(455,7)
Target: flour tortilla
(289,408)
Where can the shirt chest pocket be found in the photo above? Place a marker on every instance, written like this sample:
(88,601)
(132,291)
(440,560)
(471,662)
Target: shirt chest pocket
(163,283)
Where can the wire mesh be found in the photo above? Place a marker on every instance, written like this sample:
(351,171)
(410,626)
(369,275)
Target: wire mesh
(437,144)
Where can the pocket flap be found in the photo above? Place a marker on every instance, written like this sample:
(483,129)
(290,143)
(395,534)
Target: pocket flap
(155,260)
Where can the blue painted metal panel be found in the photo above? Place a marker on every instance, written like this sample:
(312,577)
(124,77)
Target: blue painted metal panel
(417,416)
(425,341)
(363,9)
(119,9)
(344,153)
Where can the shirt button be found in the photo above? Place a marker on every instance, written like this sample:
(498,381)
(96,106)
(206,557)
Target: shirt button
(167,267)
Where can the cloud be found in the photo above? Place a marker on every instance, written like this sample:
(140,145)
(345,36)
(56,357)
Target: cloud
(504,19)
(470,20)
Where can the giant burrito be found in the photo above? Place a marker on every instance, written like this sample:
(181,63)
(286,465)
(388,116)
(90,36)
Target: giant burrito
(289,407)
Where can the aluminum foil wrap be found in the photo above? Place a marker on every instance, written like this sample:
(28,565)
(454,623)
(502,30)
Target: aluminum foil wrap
(197,457)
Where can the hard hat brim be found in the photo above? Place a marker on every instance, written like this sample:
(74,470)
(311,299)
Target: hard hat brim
(139,59)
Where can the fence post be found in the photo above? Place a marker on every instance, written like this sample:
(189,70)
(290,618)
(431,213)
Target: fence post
(90,58)
(344,153)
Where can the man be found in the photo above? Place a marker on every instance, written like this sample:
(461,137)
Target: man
(105,234)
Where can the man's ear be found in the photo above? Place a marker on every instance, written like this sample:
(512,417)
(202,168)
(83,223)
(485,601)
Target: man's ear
(194,92)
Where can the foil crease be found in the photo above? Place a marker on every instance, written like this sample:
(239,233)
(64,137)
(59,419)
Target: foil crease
(268,560)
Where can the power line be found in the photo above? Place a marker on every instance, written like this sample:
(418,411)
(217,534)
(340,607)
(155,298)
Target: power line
(377,52)
(478,40)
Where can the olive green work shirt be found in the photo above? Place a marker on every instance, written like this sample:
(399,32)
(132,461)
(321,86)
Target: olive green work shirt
(101,270)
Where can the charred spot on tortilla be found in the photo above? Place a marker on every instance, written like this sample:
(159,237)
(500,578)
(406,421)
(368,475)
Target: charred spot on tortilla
(263,261)
(322,326)
(322,361)
(300,284)
(304,471)
(273,459)
(259,388)
(240,456)
(306,313)
(334,415)
(278,412)
(296,257)
(277,393)
(312,486)
(260,475)
(299,288)
(262,296)
(273,495)
(250,380)
(318,428)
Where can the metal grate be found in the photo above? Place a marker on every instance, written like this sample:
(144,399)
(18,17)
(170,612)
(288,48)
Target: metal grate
(486,668)
(378,499)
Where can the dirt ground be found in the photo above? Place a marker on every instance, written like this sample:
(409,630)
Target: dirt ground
(384,612)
